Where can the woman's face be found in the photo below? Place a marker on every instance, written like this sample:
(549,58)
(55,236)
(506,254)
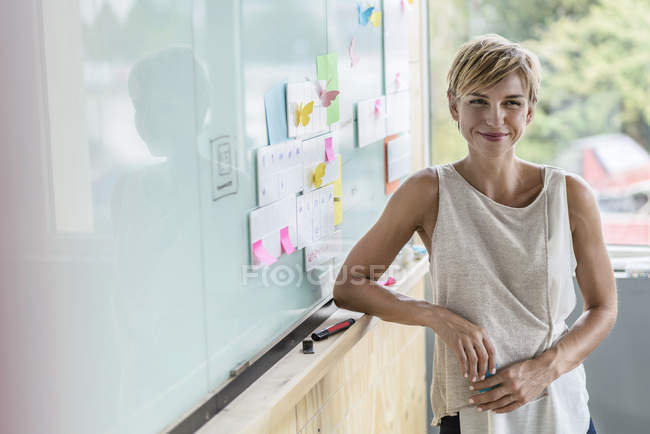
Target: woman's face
(493,120)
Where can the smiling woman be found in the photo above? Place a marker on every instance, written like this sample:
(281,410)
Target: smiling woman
(504,237)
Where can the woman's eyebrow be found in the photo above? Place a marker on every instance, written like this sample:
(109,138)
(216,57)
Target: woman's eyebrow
(487,97)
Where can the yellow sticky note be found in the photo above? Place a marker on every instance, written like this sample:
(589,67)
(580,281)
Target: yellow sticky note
(338,188)
(338,192)
(338,212)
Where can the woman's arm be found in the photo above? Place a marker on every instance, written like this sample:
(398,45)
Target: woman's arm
(356,286)
(595,277)
(413,207)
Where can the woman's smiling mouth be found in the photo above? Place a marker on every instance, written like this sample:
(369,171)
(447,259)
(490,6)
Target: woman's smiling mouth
(494,137)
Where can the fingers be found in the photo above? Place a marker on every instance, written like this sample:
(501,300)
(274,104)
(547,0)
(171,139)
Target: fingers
(472,360)
(488,383)
(462,357)
(508,408)
(499,404)
(482,361)
(492,396)
(476,355)
(492,355)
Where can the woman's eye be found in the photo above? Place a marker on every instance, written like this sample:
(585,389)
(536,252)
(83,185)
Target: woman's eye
(517,103)
(477,101)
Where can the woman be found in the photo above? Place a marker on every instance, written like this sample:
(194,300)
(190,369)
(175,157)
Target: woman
(504,237)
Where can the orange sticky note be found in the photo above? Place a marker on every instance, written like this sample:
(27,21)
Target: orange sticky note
(262,254)
(287,247)
(329,152)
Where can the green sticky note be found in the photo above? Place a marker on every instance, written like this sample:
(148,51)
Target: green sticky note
(328,70)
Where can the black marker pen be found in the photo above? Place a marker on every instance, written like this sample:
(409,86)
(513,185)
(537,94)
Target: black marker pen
(324,334)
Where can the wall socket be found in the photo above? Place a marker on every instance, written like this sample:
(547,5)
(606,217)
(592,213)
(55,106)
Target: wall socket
(224,166)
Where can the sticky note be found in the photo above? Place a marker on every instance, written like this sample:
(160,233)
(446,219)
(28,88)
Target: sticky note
(327,66)
(338,188)
(398,157)
(396,46)
(389,187)
(279,171)
(399,115)
(329,152)
(321,252)
(305,114)
(262,254)
(338,205)
(315,215)
(285,240)
(371,120)
(318,170)
(488,374)
(275,106)
(265,230)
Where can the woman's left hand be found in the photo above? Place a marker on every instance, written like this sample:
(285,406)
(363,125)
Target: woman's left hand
(517,384)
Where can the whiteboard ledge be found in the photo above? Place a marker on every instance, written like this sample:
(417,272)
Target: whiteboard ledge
(280,389)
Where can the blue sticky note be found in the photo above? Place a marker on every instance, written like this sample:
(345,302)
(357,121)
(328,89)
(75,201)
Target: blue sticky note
(487,374)
(275,105)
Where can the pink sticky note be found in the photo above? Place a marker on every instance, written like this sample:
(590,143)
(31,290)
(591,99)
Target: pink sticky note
(329,152)
(287,247)
(389,282)
(262,254)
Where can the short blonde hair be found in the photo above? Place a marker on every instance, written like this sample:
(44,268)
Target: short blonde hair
(482,62)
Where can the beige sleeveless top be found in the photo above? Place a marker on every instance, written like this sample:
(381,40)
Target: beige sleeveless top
(510,271)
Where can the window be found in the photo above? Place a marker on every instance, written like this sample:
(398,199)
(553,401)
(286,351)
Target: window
(592,118)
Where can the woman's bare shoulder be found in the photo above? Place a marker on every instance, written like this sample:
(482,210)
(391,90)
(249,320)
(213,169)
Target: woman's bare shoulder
(581,199)
(423,184)
(422,190)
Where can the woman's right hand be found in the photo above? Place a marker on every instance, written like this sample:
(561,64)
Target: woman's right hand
(470,342)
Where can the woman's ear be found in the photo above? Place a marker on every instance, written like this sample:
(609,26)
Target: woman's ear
(453,106)
(530,114)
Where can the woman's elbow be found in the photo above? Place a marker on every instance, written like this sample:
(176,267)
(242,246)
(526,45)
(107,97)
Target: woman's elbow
(338,295)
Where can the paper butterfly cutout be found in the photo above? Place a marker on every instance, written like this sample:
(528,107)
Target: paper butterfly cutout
(398,81)
(364,15)
(303,112)
(354,58)
(326,96)
(317,176)
(378,110)
(375,18)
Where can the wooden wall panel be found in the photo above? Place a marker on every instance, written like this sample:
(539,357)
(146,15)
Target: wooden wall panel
(379,386)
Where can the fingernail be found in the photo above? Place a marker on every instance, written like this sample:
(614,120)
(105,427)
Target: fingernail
(473,379)
(471,401)
(482,377)
(471,387)
(494,371)
(480,409)
(465,375)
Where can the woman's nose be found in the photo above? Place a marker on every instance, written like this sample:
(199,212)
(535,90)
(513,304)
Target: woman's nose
(495,116)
